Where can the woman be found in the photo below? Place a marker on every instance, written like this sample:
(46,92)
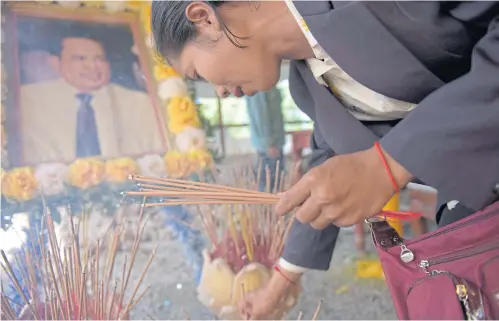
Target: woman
(357,69)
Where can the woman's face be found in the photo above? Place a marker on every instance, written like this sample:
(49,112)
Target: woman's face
(214,58)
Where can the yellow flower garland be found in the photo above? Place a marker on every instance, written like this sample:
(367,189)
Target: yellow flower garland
(118,170)
(86,172)
(182,112)
(19,184)
(145,17)
(177,164)
(199,159)
(162,72)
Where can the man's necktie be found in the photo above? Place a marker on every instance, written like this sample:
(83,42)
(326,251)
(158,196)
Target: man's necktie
(87,139)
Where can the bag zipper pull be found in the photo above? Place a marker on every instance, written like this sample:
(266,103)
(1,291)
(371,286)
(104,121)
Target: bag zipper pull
(462,294)
(424,264)
(406,255)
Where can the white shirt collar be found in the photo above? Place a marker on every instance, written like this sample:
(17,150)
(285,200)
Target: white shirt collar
(321,64)
(301,22)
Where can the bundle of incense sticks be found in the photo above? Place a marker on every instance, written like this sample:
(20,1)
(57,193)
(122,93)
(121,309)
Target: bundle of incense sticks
(68,283)
(181,192)
(238,220)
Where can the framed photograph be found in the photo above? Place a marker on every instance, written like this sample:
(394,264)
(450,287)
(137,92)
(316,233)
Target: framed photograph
(80,85)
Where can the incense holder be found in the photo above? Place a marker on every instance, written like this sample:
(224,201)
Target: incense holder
(220,288)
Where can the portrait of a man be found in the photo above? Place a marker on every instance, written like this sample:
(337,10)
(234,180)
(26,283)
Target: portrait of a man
(85,98)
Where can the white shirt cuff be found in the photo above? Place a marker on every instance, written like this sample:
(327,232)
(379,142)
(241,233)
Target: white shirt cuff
(291,267)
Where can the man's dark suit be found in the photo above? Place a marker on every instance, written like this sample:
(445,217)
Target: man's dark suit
(443,56)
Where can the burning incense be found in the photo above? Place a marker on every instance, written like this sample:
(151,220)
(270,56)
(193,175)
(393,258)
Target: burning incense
(68,283)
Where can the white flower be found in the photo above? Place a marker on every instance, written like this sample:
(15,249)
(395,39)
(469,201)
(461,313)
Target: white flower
(190,138)
(114,6)
(51,177)
(172,87)
(152,165)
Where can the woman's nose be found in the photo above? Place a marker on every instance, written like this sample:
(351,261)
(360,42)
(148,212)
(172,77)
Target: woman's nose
(222,92)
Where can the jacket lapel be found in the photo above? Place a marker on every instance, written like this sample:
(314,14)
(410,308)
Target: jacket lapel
(359,43)
(340,130)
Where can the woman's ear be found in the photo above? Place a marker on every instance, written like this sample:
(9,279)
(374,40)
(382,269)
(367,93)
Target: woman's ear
(205,19)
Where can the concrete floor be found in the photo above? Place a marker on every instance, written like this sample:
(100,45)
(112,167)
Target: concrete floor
(173,296)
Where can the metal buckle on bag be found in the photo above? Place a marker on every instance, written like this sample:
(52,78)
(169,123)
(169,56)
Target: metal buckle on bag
(374,219)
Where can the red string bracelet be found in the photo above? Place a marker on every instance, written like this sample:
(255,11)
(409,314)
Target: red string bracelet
(387,167)
(278,270)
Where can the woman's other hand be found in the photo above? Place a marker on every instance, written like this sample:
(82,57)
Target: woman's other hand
(266,302)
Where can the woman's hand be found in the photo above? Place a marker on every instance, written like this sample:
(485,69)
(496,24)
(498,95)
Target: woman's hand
(265,302)
(344,190)
(258,304)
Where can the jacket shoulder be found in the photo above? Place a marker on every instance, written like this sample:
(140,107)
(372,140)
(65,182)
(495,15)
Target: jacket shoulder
(127,93)
(41,87)
(133,104)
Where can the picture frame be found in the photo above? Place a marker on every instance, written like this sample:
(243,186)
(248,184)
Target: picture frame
(91,181)
(42,121)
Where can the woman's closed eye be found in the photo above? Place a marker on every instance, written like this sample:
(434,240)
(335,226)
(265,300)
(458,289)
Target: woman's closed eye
(197,77)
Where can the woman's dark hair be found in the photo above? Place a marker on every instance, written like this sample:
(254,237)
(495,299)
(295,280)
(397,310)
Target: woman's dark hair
(172,30)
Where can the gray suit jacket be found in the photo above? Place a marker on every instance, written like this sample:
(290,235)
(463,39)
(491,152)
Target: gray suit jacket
(443,56)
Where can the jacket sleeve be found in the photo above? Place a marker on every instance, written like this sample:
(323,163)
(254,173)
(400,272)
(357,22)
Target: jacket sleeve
(455,132)
(305,246)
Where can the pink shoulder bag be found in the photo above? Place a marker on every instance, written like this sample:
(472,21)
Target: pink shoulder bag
(449,274)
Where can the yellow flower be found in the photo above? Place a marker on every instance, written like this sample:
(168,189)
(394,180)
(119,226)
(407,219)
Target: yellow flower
(19,184)
(162,72)
(86,172)
(118,170)
(177,164)
(200,159)
(145,17)
(182,112)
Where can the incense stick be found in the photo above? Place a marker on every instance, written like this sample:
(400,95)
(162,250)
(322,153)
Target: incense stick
(62,276)
(183,192)
(317,310)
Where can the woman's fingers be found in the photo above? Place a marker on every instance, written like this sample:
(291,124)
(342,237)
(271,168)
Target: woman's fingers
(308,211)
(245,306)
(322,221)
(295,196)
